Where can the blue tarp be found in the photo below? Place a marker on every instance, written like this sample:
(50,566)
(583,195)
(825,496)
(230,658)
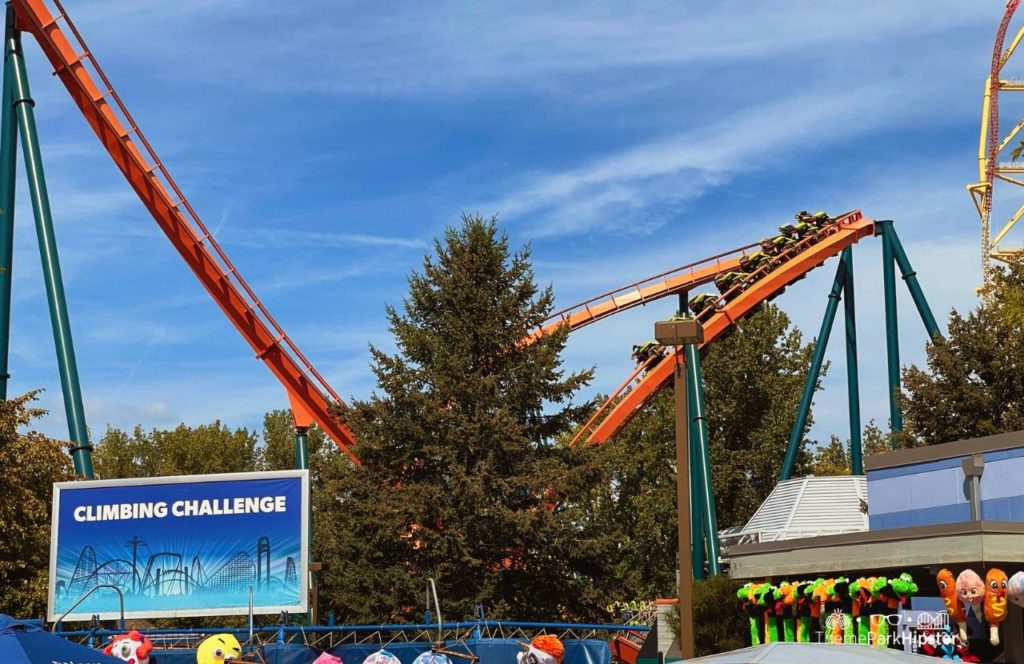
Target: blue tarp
(25,642)
(490,651)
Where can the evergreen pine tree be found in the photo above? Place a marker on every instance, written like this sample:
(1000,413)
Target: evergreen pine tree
(460,479)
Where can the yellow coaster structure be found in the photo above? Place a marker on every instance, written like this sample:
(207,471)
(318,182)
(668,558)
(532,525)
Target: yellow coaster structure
(991,144)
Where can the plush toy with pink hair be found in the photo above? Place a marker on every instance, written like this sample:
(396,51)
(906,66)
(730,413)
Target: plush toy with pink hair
(970,588)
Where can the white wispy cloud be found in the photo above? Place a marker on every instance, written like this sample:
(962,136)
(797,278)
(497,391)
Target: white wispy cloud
(616,191)
(448,46)
(289,238)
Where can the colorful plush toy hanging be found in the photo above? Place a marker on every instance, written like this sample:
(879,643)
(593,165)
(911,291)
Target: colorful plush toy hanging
(995,602)
(766,603)
(971,591)
(860,590)
(820,596)
(1015,589)
(785,602)
(132,647)
(802,611)
(327,658)
(218,648)
(841,596)
(748,601)
(879,625)
(947,590)
(814,602)
(544,649)
(431,657)
(382,656)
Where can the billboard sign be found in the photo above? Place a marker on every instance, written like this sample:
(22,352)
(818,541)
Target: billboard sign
(180,546)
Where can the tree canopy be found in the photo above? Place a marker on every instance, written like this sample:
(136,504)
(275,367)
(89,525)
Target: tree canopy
(753,380)
(834,458)
(184,450)
(973,382)
(35,463)
(461,481)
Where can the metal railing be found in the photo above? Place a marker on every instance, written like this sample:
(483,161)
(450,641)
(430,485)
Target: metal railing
(120,596)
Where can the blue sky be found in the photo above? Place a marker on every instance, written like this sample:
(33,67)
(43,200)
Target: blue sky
(327,143)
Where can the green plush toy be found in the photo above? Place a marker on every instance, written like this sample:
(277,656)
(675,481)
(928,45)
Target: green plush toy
(814,594)
(879,626)
(747,597)
(803,611)
(763,597)
(785,605)
(903,587)
(860,590)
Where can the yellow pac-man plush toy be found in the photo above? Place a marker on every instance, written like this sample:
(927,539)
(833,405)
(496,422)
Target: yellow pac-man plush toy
(217,649)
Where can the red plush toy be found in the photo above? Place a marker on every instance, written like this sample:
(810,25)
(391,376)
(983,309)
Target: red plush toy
(132,647)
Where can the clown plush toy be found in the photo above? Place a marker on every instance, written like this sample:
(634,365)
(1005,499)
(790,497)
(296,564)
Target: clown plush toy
(544,649)
(132,647)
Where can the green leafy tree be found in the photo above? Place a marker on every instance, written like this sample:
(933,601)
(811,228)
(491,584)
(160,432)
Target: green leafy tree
(278,449)
(35,462)
(460,480)
(834,458)
(831,459)
(718,624)
(753,380)
(184,450)
(639,501)
(973,384)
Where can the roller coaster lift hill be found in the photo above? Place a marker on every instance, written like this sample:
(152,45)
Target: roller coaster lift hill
(746,277)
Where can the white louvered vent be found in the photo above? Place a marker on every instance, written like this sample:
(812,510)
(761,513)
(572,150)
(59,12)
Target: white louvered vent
(808,507)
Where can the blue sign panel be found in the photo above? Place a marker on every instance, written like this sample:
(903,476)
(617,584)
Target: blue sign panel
(201,545)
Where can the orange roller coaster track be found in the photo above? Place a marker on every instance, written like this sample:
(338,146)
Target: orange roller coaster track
(309,394)
(759,286)
(638,293)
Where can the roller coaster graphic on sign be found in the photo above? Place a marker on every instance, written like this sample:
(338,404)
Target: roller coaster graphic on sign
(165,574)
(177,559)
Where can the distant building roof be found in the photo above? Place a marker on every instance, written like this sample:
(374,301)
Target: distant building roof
(806,507)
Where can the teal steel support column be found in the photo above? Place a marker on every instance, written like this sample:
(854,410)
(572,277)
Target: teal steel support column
(702,452)
(8,173)
(913,286)
(797,434)
(697,525)
(81,453)
(892,334)
(852,379)
(301,448)
(302,463)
